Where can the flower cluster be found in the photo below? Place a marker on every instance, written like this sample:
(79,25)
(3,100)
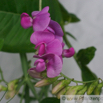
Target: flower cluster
(48,41)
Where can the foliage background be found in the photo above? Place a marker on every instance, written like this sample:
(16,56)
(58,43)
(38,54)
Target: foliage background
(88,32)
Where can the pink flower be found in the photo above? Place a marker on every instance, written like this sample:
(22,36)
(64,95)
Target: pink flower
(40,20)
(40,65)
(46,43)
(68,52)
(33,73)
(56,29)
(53,64)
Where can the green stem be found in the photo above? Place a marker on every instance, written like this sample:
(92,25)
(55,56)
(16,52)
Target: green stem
(22,94)
(40,5)
(69,45)
(27,99)
(24,63)
(3,95)
(25,67)
(30,84)
(2,77)
(76,80)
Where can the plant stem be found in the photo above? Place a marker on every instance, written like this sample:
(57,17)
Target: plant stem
(40,5)
(69,45)
(24,63)
(27,98)
(76,80)
(2,77)
(22,94)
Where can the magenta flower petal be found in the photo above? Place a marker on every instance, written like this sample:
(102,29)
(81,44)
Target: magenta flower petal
(34,13)
(63,44)
(33,73)
(44,10)
(60,38)
(41,49)
(54,64)
(41,22)
(56,27)
(26,20)
(68,52)
(54,47)
(40,65)
(41,36)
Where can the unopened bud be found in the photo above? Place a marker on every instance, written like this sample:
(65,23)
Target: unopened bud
(68,52)
(92,87)
(98,89)
(11,85)
(60,86)
(2,88)
(55,83)
(82,91)
(10,94)
(33,73)
(73,90)
(62,92)
(45,81)
(79,96)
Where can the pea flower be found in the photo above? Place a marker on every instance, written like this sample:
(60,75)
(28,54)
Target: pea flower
(35,74)
(40,20)
(53,64)
(46,43)
(68,52)
(56,29)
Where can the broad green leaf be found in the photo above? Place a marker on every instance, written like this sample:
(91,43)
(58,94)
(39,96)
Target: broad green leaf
(87,74)
(17,39)
(86,55)
(68,17)
(69,34)
(1,43)
(50,100)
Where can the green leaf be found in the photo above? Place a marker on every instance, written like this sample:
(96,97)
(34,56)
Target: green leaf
(50,100)
(1,43)
(68,17)
(17,39)
(69,34)
(86,55)
(87,74)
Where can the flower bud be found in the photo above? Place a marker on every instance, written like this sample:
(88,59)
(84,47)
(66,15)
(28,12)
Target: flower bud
(12,84)
(62,92)
(26,20)
(55,83)
(33,73)
(98,89)
(92,87)
(68,52)
(2,88)
(81,92)
(40,65)
(79,96)
(45,81)
(60,86)
(10,94)
(73,90)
